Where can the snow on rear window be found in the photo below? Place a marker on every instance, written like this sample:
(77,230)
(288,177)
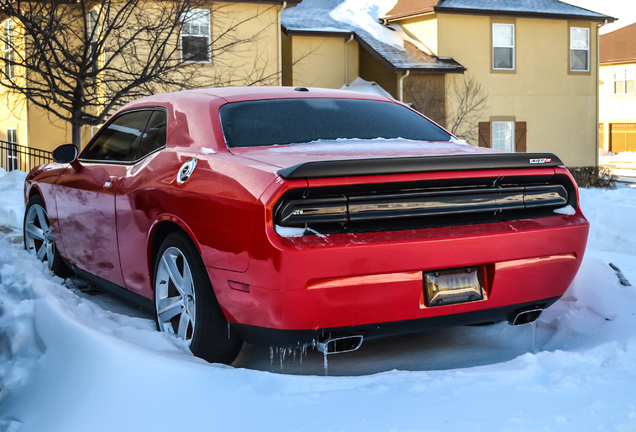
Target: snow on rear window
(296,121)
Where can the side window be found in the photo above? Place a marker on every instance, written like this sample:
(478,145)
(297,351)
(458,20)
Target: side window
(154,137)
(8,53)
(119,141)
(503,46)
(579,49)
(195,36)
(503,135)
(624,79)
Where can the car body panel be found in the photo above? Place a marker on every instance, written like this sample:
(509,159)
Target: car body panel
(302,280)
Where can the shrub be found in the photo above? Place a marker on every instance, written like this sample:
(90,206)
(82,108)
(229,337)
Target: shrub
(594,176)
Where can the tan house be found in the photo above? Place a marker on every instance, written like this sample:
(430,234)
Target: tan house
(617,90)
(257,61)
(534,63)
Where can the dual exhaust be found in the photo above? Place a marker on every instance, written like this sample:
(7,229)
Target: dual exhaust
(525,316)
(344,343)
(338,344)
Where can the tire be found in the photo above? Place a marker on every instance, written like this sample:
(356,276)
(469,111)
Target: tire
(185,304)
(38,237)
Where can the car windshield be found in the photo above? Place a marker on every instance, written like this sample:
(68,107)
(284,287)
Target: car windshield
(296,121)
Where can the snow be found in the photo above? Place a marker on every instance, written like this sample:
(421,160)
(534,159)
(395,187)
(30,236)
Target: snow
(366,16)
(369,87)
(70,362)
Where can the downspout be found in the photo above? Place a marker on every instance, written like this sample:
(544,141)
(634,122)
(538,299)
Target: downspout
(280,44)
(401,85)
(346,50)
(597,85)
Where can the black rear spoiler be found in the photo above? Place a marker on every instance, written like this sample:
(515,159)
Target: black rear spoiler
(405,165)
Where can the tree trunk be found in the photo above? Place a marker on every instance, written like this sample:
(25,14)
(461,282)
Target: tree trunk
(77,135)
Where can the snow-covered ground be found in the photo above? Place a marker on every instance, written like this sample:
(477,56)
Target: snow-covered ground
(69,362)
(622,165)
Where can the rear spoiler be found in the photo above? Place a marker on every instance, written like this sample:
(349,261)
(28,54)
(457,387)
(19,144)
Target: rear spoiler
(405,165)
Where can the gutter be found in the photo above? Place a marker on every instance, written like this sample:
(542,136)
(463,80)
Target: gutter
(280,44)
(401,85)
(596,85)
(346,53)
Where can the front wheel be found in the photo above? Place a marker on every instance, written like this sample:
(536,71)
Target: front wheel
(185,303)
(38,237)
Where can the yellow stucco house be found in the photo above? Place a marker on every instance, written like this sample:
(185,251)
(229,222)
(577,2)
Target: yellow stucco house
(617,91)
(258,62)
(533,62)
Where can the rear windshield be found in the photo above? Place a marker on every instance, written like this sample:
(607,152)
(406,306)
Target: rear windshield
(296,121)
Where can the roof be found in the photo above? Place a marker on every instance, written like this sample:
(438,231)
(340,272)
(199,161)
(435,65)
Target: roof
(395,49)
(619,46)
(533,8)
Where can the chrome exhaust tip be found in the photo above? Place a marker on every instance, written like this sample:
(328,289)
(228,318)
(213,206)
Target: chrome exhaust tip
(525,316)
(339,344)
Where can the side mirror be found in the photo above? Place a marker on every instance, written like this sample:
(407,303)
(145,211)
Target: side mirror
(67,153)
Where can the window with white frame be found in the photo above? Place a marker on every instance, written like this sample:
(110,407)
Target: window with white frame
(12,150)
(8,53)
(624,78)
(503,46)
(503,135)
(195,36)
(579,49)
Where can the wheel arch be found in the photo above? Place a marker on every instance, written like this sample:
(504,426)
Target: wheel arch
(34,190)
(158,233)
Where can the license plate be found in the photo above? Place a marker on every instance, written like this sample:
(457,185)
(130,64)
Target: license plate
(448,287)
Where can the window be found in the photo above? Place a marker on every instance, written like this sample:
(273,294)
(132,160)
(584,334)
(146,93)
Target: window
(256,123)
(624,79)
(92,30)
(579,49)
(8,53)
(154,136)
(12,149)
(195,36)
(129,137)
(503,46)
(503,135)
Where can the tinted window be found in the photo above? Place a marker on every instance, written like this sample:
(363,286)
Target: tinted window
(155,135)
(293,121)
(120,139)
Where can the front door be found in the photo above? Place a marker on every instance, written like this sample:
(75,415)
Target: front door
(86,199)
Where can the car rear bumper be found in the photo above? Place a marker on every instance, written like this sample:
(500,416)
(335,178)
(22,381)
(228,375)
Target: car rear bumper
(292,338)
(375,280)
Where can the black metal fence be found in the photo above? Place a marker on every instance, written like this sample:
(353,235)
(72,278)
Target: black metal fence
(17,157)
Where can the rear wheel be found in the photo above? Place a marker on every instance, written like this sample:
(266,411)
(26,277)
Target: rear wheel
(185,303)
(38,237)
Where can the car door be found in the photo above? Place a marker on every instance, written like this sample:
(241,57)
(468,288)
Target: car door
(86,198)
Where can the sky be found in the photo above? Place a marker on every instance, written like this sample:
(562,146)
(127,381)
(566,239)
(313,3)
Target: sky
(624,10)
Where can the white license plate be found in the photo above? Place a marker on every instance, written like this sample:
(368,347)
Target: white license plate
(446,287)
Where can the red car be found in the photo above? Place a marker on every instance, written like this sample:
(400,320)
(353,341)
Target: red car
(288,217)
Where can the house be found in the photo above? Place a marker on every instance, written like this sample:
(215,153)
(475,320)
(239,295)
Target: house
(225,43)
(340,44)
(529,67)
(617,96)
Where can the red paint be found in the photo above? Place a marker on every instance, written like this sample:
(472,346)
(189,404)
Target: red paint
(105,216)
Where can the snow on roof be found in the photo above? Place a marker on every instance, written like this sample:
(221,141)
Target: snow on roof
(389,44)
(369,87)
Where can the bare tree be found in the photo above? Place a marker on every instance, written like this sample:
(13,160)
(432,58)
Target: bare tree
(470,103)
(80,59)
(429,95)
